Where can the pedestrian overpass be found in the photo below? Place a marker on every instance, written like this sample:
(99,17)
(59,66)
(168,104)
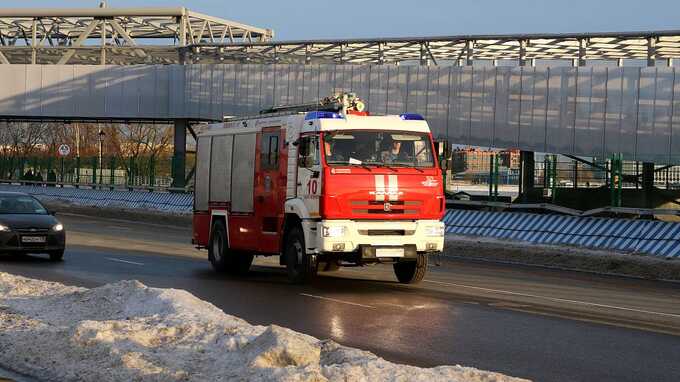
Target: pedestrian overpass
(575,94)
(582,111)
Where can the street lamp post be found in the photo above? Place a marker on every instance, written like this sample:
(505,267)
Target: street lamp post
(101,153)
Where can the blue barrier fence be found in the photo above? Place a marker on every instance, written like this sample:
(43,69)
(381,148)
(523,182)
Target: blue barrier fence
(178,203)
(628,235)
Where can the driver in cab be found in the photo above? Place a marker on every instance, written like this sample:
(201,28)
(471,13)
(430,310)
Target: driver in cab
(393,152)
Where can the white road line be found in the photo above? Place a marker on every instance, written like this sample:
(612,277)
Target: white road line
(336,300)
(123,261)
(118,227)
(555,299)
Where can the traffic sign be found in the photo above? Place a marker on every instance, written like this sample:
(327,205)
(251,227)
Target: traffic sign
(64,150)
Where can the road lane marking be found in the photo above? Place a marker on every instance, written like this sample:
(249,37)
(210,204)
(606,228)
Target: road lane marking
(123,261)
(336,300)
(119,227)
(556,299)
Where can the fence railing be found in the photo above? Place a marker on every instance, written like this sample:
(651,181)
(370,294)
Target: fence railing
(152,173)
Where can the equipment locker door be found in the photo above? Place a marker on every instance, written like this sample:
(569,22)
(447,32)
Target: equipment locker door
(270,189)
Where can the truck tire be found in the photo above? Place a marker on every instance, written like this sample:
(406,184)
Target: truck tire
(300,266)
(217,247)
(221,257)
(411,272)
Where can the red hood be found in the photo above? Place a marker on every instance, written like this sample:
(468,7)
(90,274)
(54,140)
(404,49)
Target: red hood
(382,193)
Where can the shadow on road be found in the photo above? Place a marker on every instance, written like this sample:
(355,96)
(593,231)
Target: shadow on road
(41,259)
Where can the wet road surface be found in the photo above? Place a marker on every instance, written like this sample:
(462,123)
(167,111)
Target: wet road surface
(545,325)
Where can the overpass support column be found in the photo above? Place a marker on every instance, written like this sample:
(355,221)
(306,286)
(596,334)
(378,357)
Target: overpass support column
(526,174)
(648,183)
(179,154)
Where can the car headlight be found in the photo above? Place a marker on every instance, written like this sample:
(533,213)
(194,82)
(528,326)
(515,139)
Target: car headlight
(58,227)
(4,228)
(334,231)
(435,230)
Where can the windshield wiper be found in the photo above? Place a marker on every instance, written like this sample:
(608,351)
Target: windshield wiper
(346,163)
(393,165)
(362,166)
(380,164)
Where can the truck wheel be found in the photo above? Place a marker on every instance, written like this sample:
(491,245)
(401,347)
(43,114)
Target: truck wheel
(217,248)
(411,272)
(301,267)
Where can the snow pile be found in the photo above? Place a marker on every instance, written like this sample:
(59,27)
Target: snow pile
(127,331)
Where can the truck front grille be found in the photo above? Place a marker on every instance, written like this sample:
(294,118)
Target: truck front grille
(386,232)
(379,207)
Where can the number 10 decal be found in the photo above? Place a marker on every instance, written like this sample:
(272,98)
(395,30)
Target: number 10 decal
(312,186)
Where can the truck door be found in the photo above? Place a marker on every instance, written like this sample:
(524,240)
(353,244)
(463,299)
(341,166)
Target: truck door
(269,189)
(309,173)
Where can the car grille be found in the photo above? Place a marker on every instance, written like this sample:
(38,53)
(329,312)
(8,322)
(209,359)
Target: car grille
(32,231)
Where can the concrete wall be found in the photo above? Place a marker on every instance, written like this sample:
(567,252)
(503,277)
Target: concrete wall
(581,111)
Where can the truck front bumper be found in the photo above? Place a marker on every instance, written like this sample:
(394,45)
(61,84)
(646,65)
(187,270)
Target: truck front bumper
(369,237)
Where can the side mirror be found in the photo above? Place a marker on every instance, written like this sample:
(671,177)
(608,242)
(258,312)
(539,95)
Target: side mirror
(296,143)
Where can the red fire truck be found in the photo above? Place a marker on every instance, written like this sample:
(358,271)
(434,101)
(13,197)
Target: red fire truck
(320,185)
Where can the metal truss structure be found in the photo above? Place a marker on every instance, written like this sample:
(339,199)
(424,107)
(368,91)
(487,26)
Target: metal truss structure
(125,36)
(460,50)
(112,35)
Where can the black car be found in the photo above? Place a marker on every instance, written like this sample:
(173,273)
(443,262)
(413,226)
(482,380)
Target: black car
(26,226)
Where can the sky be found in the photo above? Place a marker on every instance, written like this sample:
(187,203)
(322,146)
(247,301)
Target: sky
(306,19)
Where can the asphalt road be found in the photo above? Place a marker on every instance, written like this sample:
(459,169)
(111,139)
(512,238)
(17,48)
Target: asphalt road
(534,323)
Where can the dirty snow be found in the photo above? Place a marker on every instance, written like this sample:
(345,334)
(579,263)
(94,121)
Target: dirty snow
(127,331)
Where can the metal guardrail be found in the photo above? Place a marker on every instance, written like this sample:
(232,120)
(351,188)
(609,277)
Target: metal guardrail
(565,210)
(99,186)
(652,237)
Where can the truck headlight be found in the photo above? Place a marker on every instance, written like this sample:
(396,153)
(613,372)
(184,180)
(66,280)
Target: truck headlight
(58,227)
(434,230)
(334,231)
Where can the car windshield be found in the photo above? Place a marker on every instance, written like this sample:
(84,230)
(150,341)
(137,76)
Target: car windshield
(20,204)
(379,148)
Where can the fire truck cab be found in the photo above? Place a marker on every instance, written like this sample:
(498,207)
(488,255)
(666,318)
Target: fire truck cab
(321,189)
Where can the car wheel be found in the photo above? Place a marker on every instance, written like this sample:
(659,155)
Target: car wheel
(411,272)
(301,267)
(57,255)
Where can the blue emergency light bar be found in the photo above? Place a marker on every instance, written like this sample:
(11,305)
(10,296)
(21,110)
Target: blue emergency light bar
(411,117)
(322,115)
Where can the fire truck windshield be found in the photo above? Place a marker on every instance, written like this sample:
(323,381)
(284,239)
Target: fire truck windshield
(378,148)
